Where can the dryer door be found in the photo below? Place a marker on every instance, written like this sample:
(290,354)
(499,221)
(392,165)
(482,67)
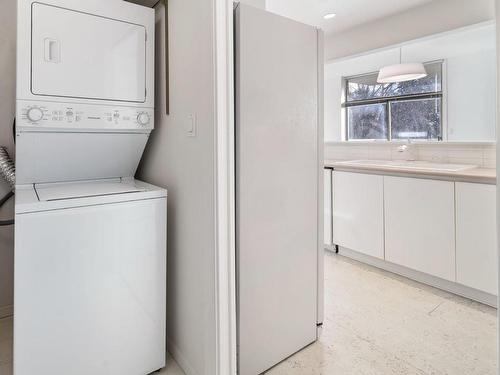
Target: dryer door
(80,55)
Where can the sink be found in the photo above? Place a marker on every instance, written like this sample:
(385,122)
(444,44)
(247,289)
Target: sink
(403,164)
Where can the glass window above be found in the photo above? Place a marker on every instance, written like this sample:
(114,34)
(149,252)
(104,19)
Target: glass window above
(365,87)
(391,111)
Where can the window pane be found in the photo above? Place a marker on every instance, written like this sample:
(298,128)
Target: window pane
(366,86)
(367,122)
(416,119)
(429,84)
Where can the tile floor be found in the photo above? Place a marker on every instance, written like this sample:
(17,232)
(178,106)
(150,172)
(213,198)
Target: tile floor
(377,323)
(172,368)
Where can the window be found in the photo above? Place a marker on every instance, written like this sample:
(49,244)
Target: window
(391,111)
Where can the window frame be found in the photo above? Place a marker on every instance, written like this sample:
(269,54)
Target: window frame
(390,99)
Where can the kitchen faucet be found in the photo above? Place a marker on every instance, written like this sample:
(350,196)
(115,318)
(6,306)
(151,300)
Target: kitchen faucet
(407,149)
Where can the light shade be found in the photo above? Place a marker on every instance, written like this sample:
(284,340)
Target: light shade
(401,73)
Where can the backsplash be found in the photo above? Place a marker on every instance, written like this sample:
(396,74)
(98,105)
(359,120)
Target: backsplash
(479,154)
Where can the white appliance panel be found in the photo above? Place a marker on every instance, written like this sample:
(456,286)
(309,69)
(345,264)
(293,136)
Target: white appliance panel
(56,116)
(358,216)
(69,156)
(82,193)
(278,179)
(90,290)
(83,189)
(81,55)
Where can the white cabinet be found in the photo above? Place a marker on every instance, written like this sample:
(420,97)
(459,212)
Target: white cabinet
(327,201)
(477,265)
(420,225)
(440,228)
(358,220)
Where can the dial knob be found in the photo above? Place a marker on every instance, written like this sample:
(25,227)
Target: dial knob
(143,118)
(34,114)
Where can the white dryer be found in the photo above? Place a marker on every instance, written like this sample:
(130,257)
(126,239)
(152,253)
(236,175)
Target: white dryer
(90,241)
(85,89)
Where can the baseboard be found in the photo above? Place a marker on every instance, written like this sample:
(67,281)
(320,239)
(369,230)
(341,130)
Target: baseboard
(6,311)
(330,247)
(181,360)
(436,282)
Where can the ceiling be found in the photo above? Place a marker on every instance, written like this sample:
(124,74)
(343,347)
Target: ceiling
(350,13)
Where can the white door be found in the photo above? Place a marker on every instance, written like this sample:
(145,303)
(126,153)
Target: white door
(477,264)
(358,216)
(80,55)
(420,225)
(278,178)
(90,286)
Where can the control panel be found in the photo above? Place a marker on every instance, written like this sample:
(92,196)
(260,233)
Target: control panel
(81,117)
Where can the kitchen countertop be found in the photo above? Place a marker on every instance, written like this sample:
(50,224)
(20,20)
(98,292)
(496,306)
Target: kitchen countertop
(475,174)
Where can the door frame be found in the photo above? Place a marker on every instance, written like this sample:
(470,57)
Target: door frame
(225,275)
(497,18)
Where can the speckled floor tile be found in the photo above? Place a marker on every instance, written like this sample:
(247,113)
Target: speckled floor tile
(377,323)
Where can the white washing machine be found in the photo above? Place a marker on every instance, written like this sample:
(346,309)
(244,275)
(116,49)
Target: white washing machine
(90,241)
(90,278)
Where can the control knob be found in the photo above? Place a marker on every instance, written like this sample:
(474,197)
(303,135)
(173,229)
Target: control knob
(34,114)
(143,118)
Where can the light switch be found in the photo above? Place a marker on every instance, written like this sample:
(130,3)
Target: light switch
(191,125)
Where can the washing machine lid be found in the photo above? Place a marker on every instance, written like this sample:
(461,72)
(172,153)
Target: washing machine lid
(64,195)
(84,189)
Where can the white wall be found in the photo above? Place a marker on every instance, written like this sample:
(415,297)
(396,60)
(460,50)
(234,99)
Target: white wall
(469,80)
(481,154)
(428,19)
(185,166)
(7,110)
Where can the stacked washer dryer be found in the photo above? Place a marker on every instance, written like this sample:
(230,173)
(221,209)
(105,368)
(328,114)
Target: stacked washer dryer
(90,241)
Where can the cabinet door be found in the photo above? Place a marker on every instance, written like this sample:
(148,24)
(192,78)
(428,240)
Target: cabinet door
(420,225)
(358,219)
(327,232)
(477,265)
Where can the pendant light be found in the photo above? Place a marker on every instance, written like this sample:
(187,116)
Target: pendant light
(401,72)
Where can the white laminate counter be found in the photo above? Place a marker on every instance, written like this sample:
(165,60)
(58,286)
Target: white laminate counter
(475,175)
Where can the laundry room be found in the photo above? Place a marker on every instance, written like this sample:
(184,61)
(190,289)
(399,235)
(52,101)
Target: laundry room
(85,148)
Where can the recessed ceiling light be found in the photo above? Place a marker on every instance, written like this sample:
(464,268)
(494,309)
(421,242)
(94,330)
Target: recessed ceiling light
(329,16)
